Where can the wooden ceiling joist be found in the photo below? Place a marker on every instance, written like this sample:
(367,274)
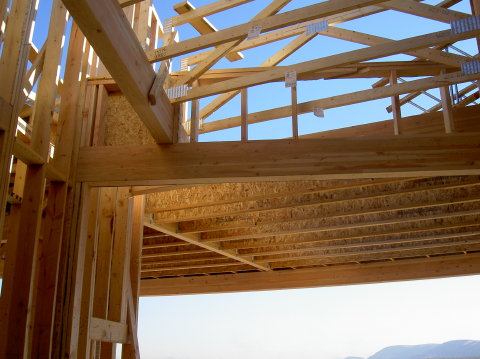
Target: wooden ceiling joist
(194,239)
(112,37)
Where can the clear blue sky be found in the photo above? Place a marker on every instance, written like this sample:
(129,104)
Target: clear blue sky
(327,323)
(320,323)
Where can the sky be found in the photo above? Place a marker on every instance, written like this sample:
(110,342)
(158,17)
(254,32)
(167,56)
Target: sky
(327,323)
(319,323)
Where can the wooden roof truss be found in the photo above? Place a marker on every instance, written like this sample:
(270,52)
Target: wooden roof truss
(108,192)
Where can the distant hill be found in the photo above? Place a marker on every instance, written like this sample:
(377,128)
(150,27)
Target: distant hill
(455,349)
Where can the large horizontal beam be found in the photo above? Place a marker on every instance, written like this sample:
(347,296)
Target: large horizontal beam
(401,270)
(107,29)
(345,158)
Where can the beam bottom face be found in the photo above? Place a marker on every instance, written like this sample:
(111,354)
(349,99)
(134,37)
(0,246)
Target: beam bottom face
(400,270)
(338,158)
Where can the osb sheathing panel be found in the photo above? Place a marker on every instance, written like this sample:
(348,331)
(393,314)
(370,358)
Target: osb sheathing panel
(122,124)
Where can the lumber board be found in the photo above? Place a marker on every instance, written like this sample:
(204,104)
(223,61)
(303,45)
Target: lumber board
(109,32)
(425,10)
(108,331)
(412,269)
(346,158)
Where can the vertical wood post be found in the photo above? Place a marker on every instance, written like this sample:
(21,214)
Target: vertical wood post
(447,109)
(294,113)
(195,120)
(396,109)
(12,72)
(244,113)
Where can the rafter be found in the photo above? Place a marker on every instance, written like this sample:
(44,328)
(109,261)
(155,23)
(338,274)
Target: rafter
(107,29)
(195,239)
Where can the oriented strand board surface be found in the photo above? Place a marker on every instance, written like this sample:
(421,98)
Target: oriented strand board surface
(122,124)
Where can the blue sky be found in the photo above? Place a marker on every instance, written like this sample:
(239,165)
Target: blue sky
(327,323)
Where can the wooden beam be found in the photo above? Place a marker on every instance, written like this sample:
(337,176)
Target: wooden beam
(244,114)
(372,40)
(195,239)
(13,63)
(447,109)
(270,23)
(396,109)
(108,31)
(412,269)
(195,121)
(425,10)
(346,158)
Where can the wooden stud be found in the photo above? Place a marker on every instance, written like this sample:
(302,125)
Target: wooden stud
(12,72)
(447,109)
(294,112)
(195,122)
(120,265)
(396,109)
(244,115)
